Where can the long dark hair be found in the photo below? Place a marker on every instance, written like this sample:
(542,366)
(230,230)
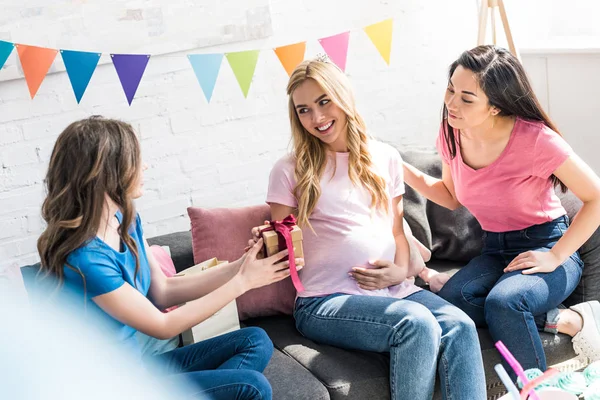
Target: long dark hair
(503,80)
(91,157)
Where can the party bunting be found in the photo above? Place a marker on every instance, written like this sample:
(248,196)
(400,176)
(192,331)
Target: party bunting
(36,62)
(206,67)
(80,67)
(243,64)
(336,47)
(291,55)
(130,68)
(5,49)
(381,36)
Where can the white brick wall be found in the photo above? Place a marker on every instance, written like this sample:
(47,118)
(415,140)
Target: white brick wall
(220,154)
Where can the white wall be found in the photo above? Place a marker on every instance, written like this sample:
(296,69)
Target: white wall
(553,24)
(220,154)
(568,83)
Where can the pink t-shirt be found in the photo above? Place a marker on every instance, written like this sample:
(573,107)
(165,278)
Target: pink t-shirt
(347,233)
(515,191)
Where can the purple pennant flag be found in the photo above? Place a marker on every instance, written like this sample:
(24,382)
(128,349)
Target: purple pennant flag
(130,68)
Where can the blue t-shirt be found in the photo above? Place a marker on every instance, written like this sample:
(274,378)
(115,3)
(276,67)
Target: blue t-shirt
(106,269)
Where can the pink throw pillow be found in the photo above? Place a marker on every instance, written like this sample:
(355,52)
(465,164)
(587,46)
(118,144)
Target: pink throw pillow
(223,233)
(164,259)
(166,264)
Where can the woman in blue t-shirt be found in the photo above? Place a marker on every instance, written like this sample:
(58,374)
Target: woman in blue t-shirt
(94,246)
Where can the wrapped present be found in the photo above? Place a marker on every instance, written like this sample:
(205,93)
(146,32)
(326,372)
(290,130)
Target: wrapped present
(280,235)
(274,242)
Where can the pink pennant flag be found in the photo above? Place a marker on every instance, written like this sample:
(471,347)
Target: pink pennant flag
(336,47)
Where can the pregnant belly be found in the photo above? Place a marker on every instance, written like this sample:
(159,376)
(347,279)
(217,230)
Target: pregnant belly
(328,260)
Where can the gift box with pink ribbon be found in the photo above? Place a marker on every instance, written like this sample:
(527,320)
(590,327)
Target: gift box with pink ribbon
(280,235)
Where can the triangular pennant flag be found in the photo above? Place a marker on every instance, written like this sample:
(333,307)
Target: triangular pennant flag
(36,62)
(5,49)
(336,47)
(243,64)
(206,67)
(130,68)
(291,55)
(381,36)
(80,66)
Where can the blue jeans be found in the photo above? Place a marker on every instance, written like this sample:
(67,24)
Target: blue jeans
(512,305)
(422,333)
(225,367)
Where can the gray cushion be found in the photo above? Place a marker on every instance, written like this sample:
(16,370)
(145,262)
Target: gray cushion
(346,374)
(40,287)
(180,244)
(291,380)
(451,235)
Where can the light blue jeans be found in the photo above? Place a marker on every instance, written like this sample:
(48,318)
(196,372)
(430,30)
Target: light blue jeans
(422,333)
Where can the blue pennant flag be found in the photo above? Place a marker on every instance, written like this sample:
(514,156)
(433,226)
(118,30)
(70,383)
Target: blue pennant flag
(80,67)
(206,67)
(5,49)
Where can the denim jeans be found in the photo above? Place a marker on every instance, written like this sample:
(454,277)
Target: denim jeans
(225,367)
(512,305)
(422,333)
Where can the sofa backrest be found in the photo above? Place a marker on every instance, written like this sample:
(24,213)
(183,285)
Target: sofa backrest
(450,235)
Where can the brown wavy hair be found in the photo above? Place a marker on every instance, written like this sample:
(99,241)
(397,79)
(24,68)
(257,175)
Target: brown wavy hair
(91,158)
(504,81)
(310,153)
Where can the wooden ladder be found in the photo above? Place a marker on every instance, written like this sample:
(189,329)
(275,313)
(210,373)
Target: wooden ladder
(489,6)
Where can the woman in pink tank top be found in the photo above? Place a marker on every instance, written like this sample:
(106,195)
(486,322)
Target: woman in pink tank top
(502,157)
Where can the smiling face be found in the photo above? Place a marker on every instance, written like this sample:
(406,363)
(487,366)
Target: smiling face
(320,116)
(467,104)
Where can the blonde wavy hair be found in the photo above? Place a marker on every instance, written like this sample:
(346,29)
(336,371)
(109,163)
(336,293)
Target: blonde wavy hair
(311,154)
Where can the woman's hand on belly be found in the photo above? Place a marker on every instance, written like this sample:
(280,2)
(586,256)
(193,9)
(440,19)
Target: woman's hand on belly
(384,274)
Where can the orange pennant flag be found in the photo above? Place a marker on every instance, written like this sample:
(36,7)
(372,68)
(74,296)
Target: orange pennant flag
(36,62)
(291,55)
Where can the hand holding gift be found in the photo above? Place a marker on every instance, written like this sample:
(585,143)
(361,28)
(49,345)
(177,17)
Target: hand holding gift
(256,272)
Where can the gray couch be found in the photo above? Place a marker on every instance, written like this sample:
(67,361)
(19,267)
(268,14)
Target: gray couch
(303,369)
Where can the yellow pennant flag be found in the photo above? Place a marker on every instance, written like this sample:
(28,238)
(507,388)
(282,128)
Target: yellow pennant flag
(381,36)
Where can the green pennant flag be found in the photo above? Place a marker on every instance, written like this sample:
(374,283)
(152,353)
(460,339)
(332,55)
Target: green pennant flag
(243,64)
